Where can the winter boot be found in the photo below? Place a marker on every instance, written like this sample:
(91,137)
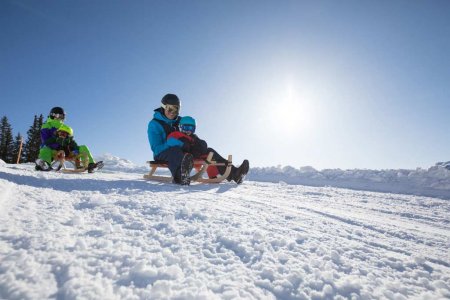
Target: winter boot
(185,169)
(95,166)
(238,174)
(42,165)
(233,171)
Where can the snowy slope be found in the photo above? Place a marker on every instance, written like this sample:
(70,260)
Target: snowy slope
(112,235)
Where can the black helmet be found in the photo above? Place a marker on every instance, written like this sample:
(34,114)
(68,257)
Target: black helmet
(57,112)
(170,99)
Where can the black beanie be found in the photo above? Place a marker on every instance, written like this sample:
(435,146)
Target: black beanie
(171,99)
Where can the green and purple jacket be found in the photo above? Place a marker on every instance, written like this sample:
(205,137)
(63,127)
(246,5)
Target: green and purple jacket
(48,130)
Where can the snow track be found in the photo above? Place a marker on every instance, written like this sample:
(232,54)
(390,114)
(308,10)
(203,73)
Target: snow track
(112,235)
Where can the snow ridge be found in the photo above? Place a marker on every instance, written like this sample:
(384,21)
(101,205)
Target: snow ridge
(432,182)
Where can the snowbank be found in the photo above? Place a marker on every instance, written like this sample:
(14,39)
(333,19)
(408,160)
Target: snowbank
(433,182)
(114,163)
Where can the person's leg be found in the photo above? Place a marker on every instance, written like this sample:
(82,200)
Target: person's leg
(239,173)
(185,169)
(86,155)
(81,160)
(213,171)
(46,154)
(45,158)
(84,150)
(173,156)
(236,174)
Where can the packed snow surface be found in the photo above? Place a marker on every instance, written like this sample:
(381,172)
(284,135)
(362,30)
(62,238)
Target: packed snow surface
(113,235)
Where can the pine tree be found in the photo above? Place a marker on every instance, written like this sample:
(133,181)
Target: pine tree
(6,141)
(17,142)
(39,124)
(33,143)
(2,134)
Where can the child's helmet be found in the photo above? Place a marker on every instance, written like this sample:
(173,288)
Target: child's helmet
(187,124)
(66,129)
(57,112)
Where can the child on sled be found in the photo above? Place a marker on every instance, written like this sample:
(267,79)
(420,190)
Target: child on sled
(62,146)
(199,149)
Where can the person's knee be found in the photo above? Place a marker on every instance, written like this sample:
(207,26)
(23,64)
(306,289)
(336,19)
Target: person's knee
(83,149)
(172,153)
(173,156)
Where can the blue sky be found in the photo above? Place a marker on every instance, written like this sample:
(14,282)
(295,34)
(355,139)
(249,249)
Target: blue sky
(330,84)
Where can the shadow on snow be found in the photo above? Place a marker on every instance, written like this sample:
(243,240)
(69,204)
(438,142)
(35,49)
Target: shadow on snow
(106,186)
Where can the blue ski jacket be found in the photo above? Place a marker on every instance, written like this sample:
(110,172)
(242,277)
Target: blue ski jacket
(157,132)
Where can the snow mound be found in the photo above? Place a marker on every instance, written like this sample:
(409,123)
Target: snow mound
(444,164)
(433,182)
(114,163)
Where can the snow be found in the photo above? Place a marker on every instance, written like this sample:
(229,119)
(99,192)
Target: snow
(113,235)
(432,182)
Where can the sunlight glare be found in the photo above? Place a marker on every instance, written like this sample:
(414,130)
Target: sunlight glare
(292,112)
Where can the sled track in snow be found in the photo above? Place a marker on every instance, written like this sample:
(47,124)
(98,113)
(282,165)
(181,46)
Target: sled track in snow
(300,212)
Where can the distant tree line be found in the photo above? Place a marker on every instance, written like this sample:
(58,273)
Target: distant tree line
(9,145)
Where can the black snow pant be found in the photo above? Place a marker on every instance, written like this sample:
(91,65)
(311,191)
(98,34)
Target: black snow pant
(173,156)
(217,157)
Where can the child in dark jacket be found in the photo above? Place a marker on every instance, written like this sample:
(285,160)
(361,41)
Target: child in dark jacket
(63,140)
(199,149)
(191,142)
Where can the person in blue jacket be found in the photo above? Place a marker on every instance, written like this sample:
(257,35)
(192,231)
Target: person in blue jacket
(165,121)
(169,147)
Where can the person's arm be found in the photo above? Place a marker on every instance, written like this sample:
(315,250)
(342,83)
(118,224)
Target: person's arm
(199,147)
(48,130)
(53,143)
(46,133)
(73,147)
(186,141)
(157,138)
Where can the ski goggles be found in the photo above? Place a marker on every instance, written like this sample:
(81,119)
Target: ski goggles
(171,108)
(188,127)
(58,116)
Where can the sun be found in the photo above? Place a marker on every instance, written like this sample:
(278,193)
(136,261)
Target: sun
(290,112)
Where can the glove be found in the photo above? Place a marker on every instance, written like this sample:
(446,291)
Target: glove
(173,142)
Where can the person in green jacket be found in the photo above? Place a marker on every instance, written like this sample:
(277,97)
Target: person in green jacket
(52,140)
